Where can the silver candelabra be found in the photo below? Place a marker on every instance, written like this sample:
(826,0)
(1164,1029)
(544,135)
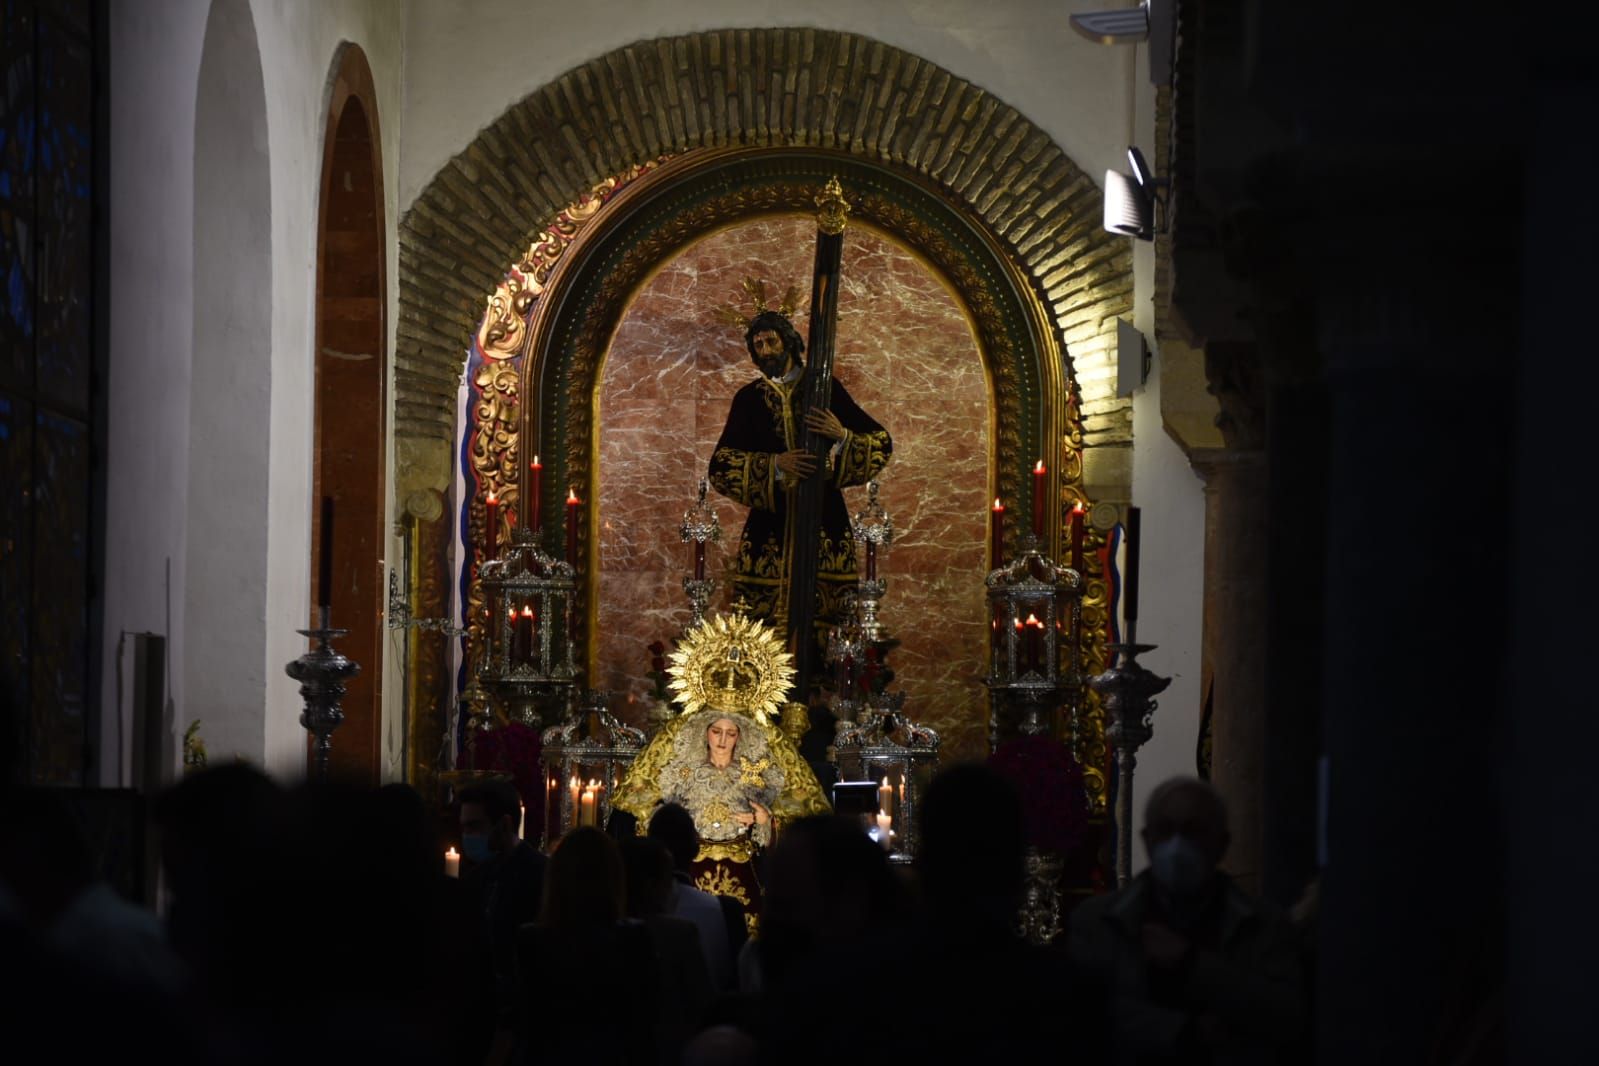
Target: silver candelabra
(1127,690)
(322,673)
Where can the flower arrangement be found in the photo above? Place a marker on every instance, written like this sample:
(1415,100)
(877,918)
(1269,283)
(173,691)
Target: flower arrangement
(1050,784)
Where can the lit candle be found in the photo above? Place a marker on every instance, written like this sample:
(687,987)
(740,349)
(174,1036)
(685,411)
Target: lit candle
(1077,536)
(575,789)
(572,505)
(535,499)
(699,560)
(324,582)
(521,821)
(902,791)
(491,525)
(885,830)
(996,535)
(1040,475)
(452,863)
(516,637)
(586,811)
(524,633)
(885,798)
(1035,632)
(1130,597)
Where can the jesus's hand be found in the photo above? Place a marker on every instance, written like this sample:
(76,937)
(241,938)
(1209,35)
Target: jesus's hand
(826,423)
(796,464)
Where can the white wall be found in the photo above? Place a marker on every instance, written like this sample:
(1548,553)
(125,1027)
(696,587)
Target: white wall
(155,48)
(468,60)
(1172,567)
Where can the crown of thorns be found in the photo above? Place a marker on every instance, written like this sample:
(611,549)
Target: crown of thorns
(756,291)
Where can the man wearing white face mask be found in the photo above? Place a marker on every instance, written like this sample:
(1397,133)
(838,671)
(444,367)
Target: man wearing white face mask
(1193,968)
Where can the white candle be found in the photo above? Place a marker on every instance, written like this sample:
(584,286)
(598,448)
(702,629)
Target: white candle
(452,863)
(521,821)
(586,813)
(885,829)
(885,798)
(574,788)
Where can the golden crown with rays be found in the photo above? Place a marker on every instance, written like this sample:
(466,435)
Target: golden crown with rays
(732,663)
(755,289)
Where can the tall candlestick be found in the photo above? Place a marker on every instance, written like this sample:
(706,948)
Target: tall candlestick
(1077,537)
(699,560)
(491,525)
(572,505)
(996,535)
(535,499)
(324,582)
(452,863)
(871,560)
(1040,478)
(1130,596)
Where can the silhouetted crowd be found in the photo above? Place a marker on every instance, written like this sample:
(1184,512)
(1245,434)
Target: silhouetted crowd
(318,924)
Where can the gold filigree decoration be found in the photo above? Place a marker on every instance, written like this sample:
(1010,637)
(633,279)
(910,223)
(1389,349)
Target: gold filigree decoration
(832,211)
(732,663)
(718,881)
(755,289)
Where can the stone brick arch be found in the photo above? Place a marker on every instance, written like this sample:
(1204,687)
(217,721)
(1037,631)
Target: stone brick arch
(746,87)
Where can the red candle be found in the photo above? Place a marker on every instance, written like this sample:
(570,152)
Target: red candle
(524,633)
(535,497)
(1130,585)
(324,577)
(871,560)
(491,526)
(1077,537)
(996,535)
(1020,629)
(1039,479)
(516,637)
(699,560)
(1035,633)
(572,505)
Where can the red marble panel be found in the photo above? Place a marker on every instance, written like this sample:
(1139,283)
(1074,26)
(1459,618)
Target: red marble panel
(905,351)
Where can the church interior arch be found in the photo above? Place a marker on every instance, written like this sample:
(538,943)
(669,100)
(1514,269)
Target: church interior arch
(224,579)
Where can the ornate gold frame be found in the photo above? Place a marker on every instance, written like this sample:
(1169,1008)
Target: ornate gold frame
(579,288)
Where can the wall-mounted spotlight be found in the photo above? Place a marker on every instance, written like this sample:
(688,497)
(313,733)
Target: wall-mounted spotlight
(1154,21)
(1131,199)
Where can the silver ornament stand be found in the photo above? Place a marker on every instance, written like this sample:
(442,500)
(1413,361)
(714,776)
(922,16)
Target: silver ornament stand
(322,673)
(1127,691)
(700,527)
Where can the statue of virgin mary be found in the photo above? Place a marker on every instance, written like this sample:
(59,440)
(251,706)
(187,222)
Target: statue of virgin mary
(723,759)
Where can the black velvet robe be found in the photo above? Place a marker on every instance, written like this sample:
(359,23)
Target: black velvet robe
(762,424)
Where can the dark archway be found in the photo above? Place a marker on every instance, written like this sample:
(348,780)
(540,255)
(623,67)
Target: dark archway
(351,370)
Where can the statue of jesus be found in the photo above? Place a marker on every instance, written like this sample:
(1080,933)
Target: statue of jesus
(759,461)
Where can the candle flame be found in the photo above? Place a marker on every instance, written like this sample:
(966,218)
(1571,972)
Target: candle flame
(494,501)
(571,496)
(885,780)
(574,781)
(1039,469)
(997,505)
(1018,622)
(1032,620)
(512,613)
(536,464)
(527,612)
(1078,506)
(451,853)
